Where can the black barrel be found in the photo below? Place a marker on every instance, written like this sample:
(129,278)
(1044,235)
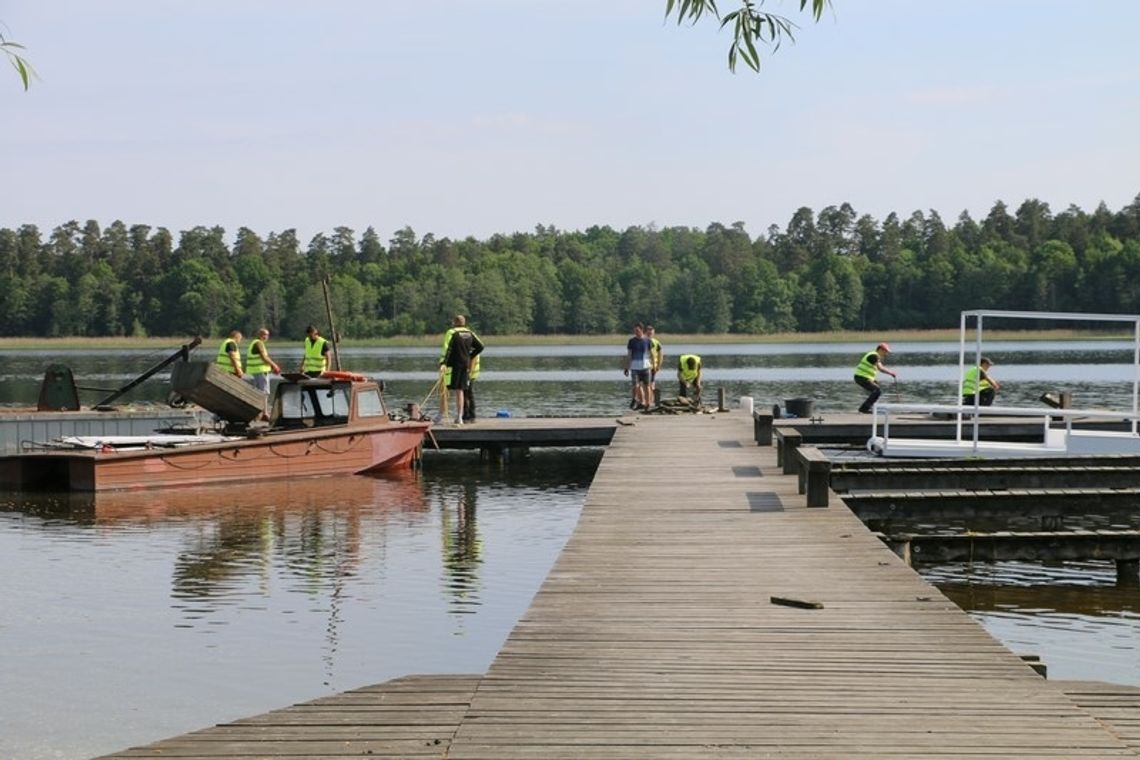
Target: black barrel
(800,407)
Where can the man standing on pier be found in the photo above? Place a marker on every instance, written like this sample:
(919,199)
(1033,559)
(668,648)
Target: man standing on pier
(637,364)
(866,371)
(460,346)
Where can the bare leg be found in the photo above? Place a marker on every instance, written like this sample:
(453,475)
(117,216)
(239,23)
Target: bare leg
(459,403)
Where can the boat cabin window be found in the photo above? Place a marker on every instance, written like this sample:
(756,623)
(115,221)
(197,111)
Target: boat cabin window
(309,406)
(368,404)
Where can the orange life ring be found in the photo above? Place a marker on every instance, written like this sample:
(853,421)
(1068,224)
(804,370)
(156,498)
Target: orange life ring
(354,377)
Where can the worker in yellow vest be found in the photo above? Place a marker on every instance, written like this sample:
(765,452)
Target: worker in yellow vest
(229,355)
(258,365)
(689,377)
(978,388)
(316,357)
(461,347)
(866,371)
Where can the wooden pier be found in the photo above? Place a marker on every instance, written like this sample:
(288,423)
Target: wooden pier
(701,609)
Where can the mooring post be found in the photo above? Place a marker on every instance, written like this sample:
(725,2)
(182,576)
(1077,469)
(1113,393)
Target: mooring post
(721,400)
(1128,572)
(791,440)
(815,475)
(762,428)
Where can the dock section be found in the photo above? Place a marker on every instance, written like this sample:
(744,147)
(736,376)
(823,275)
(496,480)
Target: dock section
(701,609)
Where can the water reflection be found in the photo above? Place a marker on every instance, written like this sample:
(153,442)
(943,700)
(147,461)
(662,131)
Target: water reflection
(462,551)
(1072,614)
(195,606)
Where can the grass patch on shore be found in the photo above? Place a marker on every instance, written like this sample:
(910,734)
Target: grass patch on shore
(433,341)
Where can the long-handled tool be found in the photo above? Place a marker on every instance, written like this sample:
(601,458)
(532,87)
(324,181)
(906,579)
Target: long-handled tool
(442,394)
(423,403)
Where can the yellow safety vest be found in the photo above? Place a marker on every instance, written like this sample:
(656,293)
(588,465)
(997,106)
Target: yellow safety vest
(688,375)
(865,368)
(224,360)
(970,382)
(472,375)
(254,364)
(314,358)
(654,354)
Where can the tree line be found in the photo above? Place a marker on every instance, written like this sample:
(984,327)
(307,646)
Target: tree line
(831,270)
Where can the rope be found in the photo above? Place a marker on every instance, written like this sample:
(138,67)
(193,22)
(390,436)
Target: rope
(433,389)
(353,441)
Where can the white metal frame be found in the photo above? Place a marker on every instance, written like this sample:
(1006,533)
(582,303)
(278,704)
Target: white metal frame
(977,410)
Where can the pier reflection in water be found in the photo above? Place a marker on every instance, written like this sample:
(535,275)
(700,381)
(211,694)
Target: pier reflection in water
(147,614)
(1072,614)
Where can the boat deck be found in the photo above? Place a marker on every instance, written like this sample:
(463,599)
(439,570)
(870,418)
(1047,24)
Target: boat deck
(700,609)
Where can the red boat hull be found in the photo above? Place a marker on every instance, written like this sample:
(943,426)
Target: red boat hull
(300,453)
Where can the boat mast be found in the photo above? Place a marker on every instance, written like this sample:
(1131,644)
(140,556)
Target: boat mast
(332,327)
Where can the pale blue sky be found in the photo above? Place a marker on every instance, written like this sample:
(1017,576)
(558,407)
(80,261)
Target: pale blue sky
(472,117)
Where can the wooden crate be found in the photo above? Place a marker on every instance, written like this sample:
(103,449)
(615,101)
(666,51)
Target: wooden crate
(224,394)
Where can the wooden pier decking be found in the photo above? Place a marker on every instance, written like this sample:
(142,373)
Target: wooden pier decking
(658,634)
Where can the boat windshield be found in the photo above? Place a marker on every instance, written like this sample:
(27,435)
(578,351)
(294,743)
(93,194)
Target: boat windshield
(307,406)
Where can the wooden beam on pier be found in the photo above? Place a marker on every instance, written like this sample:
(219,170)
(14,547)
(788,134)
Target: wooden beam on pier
(1122,546)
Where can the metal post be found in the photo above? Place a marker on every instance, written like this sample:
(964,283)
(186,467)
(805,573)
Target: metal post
(332,328)
(182,353)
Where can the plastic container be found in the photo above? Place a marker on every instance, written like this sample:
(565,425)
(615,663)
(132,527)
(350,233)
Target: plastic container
(799,407)
(746,405)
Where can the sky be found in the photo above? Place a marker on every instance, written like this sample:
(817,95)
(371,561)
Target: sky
(474,117)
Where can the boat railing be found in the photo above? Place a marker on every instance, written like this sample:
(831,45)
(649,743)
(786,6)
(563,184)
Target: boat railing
(970,416)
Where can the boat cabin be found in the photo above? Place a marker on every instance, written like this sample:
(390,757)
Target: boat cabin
(320,402)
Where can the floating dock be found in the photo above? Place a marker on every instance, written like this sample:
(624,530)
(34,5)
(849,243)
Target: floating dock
(702,609)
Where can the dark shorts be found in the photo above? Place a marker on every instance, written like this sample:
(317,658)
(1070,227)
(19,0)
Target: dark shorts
(459,378)
(639,376)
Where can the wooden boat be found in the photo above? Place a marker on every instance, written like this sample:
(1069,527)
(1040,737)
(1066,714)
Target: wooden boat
(322,426)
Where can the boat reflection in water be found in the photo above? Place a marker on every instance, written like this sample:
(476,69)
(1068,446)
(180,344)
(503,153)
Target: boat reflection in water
(313,529)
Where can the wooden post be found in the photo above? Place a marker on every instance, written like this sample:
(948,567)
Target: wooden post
(901,546)
(721,400)
(1128,572)
(814,475)
(791,440)
(762,428)
(334,338)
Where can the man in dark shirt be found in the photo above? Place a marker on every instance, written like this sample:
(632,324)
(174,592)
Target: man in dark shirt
(638,362)
(460,346)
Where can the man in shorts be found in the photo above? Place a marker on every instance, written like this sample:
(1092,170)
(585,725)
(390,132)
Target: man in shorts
(638,362)
(460,346)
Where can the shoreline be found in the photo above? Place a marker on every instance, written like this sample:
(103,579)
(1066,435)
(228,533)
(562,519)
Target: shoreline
(404,341)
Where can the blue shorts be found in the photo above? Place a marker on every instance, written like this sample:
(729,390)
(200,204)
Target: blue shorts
(639,376)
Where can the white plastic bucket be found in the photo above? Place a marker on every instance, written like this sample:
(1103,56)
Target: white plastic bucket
(746,405)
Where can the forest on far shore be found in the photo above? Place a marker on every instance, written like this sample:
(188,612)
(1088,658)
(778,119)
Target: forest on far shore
(828,271)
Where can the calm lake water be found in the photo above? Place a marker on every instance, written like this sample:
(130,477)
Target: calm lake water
(143,616)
